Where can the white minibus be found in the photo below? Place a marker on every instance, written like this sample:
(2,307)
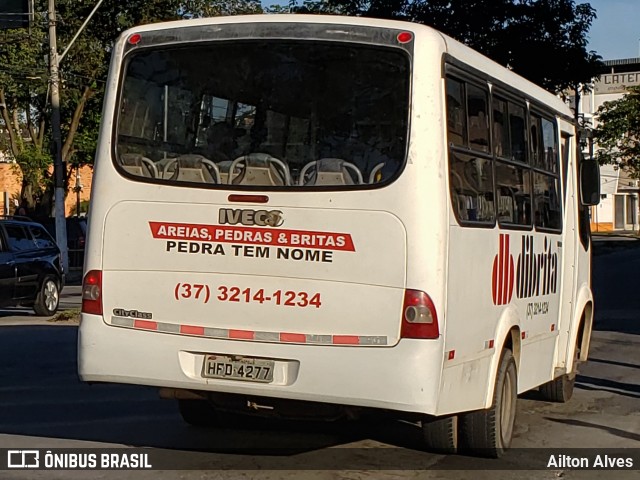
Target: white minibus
(300,215)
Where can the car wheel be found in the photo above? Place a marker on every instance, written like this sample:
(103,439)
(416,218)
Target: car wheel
(48,298)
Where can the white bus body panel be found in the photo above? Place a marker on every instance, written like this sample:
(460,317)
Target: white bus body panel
(257,286)
(374,377)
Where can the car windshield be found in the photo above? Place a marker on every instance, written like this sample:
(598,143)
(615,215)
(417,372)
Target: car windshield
(265,113)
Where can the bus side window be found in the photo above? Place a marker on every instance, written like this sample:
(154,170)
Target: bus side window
(501,144)
(548,212)
(550,145)
(535,141)
(478,119)
(513,186)
(518,131)
(471,181)
(456,114)
(546,183)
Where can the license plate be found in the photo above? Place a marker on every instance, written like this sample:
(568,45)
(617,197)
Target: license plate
(249,369)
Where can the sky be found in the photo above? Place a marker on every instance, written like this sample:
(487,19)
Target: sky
(615,34)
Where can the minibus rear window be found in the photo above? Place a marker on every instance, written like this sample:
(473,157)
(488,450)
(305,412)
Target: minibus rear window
(264,114)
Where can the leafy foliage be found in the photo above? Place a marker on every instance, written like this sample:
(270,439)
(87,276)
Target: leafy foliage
(34,165)
(542,40)
(618,132)
(24,78)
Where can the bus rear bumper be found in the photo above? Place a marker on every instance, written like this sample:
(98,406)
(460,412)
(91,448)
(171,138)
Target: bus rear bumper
(402,378)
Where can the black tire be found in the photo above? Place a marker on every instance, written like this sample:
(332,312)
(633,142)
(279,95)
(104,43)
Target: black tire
(199,413)
(488,433)
(441,435)
(48,298)
(560,389)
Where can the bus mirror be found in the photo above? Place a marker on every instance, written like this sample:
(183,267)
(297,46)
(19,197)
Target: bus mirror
(589,182)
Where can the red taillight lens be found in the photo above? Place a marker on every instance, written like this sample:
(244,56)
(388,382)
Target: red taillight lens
(92,293)
(419,318)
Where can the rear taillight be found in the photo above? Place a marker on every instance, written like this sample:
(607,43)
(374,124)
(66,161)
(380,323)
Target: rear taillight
(92,293)
(419,318)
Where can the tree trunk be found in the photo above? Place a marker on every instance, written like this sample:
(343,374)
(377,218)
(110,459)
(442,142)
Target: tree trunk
(75,123)
(40,141)
(32,131)
(16,124)
(15,150)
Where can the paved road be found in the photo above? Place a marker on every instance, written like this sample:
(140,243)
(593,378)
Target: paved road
(69,299)
(43,405)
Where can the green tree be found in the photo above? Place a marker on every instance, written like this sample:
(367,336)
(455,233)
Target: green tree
(618,133)
(545,41)
(24,98)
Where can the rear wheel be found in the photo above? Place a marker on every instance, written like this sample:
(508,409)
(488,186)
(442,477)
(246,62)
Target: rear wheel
(48,298)
(441,435)
(489,432)
(561,389)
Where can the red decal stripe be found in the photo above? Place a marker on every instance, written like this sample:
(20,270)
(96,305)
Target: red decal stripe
(191,330)
(241,334)
(346,339)
(505,295)
(494,281)
(501,272)
(145,324)
(293,337)
(253,236)
(511,279)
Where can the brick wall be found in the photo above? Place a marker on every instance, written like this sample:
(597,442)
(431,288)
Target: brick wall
(11,179)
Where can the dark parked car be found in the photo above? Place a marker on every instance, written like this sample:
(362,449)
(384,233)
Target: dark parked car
(76,235)
(31,271)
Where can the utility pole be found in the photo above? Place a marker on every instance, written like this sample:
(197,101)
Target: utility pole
(58,165)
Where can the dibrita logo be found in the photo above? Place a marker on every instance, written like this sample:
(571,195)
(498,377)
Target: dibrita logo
(536,273)
(503,274)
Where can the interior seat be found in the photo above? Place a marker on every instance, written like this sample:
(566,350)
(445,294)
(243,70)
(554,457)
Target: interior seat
(258,169)
(330,171)
(139,165)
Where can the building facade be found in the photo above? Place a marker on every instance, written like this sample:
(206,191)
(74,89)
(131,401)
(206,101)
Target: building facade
(618,209)
(11,184)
